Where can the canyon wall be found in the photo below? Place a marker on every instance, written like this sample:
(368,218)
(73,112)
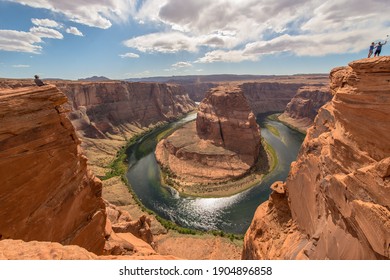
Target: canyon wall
(107,114)
(102,109)
(335,202)
(46,190)
(269,97)
(303,107)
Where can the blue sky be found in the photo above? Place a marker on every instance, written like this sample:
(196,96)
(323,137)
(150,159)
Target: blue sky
(121,39)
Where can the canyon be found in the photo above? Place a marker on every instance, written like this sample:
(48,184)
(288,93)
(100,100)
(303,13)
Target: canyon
(223,144)
(47,192)
(333,205)
(335,201)
(41,157)
(303,107)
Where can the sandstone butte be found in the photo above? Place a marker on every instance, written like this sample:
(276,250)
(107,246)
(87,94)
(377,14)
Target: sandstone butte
(303,107)
(335,202)
(203,157)
(47,193)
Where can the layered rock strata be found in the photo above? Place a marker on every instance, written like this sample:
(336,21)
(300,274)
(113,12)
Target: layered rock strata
(303,107)
(223,143)
(107,114)
(269,97)
(336,200)
(47,192)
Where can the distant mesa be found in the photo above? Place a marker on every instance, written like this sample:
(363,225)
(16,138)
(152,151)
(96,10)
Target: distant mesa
(222,145)
(94,79)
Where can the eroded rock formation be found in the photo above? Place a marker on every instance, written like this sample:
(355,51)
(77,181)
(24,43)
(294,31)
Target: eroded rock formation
(34,250)
(337,195)
(105,109)
(46,190)
(270,96)
(303,108)
(107,114)
(221,145)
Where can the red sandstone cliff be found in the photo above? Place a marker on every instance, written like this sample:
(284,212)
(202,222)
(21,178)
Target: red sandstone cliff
(303,108)
(107,114)
(269,97)
(223,144)
(46,190)
(225,119)
(103,109)
(336,200)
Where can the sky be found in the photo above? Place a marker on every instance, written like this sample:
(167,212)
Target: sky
(123,39)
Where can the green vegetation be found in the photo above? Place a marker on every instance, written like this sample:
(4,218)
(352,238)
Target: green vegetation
(119,168)
(272,129)
(273,157)
(274,117)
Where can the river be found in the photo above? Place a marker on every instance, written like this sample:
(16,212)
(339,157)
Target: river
(230,214)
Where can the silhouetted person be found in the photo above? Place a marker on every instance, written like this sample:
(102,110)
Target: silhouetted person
(38,81)
(379,48)
(371,50)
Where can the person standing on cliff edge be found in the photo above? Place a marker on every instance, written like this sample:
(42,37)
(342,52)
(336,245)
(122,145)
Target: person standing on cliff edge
(379,48)
(38,81)
(371,50)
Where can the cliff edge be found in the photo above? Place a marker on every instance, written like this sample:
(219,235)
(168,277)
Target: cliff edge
(46,191)
(335,202)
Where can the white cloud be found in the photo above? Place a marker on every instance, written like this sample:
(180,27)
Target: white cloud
(21,66)
(45,32)
(169,42)
(46,22)
(182,64)
(226,56)
(95,13)
(129,55)
(73,30)
(234,31)
(19,41)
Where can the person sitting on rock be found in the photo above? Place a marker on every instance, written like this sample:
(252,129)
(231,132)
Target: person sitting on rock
(371,50)
(38,81)
(379,48)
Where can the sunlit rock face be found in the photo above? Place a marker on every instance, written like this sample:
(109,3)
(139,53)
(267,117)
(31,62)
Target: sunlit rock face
(337,195)
(106,109)
(303,108)
(221,145)
(47,192)
(226,120)
(269,97)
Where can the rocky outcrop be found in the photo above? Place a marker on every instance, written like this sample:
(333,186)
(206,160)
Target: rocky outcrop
(268,97)
(34,250)
(338,190)
(46,190)
(226,120)
(221,145)
(303,108)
